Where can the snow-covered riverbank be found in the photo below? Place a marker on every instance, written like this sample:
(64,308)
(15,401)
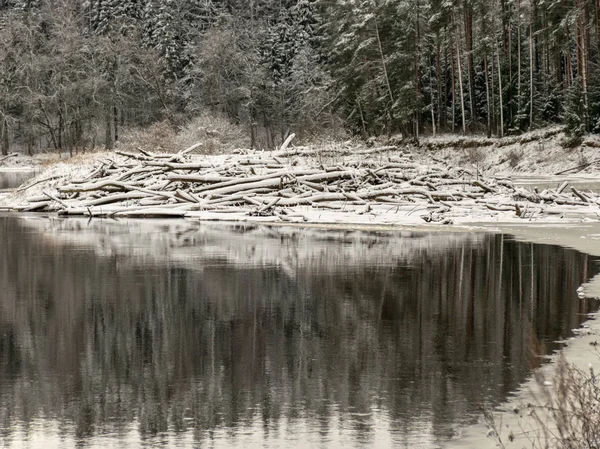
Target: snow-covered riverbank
(338,184)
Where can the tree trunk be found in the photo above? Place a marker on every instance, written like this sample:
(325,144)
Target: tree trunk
(510,102)
(384,65)
(108,142)
(432,100)
(60,131)
(438,72)
(569,67)
(597,14)
(4,137)
(116,123)
(518,56)
(584,80)
(531,74)
(487,96)
(492,90)
(500,94)
(470,69)
(417,77)
(453,89)
(50,127)
(30,144)
(460,82)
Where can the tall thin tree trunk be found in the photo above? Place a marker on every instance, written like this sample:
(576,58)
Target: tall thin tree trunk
(438,72)
(460,82)
(447,63)
(417,77)
(492,90)
(584,56)
(587,25)
(531,74)
(108,142)
(509,53)
(453,90)
(362,119)
(487,96)
(470,69)
(597,14)
(432,100)
(4,142)
(383,64)
(60,131)
(569,68)
(518,56)
(500,94)
(116,123)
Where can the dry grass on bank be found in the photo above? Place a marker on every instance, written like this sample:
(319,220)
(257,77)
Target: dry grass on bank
(565,412)
(217,134)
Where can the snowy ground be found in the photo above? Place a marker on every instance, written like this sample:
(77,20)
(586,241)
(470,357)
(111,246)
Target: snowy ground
(538,152)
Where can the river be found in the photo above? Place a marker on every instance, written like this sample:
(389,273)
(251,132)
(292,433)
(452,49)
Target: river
(175,333)
(14,177)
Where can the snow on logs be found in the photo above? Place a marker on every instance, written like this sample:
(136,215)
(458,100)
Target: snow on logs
(285,184)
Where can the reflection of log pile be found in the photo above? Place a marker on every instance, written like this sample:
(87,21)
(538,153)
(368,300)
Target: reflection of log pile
(196,246)
(277,186)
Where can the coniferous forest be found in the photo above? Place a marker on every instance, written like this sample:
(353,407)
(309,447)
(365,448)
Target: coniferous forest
(75,74)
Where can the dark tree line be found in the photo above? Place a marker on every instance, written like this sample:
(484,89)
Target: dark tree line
(75,73)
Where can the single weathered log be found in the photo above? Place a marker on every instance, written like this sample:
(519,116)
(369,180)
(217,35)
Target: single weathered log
(38,181)
(180,166)
(206,179)
(562,187)
(115,198)
(287,141)
(580,195)
(150,213)
(32,207)
(501,208)
(139,157)
(186,196)
(269,205)
(55,198)
(188,150)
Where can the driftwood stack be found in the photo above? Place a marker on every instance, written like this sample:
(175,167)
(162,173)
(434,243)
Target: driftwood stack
(287,184)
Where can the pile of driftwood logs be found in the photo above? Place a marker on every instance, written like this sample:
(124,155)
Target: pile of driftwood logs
(286,184)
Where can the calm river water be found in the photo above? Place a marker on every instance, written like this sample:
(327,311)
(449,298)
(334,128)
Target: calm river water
(10,179)
(173,333)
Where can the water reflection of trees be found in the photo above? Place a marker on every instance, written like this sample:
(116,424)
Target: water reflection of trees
(97,342)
